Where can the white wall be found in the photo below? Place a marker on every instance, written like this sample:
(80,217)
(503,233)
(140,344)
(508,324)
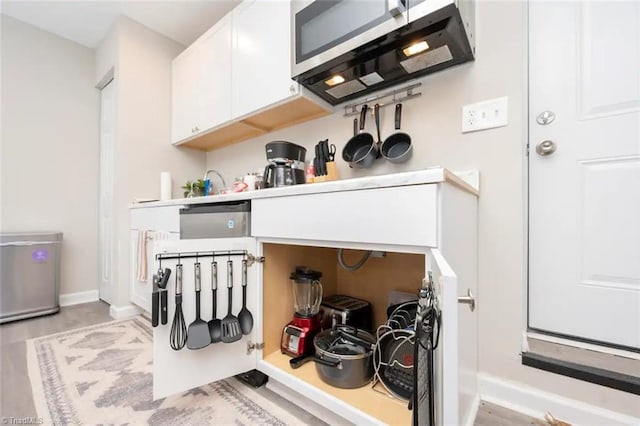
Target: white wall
(142,61)
(50,140)
(433,121)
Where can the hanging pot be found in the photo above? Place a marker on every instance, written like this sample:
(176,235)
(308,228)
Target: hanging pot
(361,150)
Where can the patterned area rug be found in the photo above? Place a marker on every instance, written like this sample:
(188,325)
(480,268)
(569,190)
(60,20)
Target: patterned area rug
(103,374)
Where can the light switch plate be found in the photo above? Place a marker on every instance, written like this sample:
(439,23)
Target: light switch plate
(485,115)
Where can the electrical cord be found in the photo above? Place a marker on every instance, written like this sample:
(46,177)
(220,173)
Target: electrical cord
(356,265)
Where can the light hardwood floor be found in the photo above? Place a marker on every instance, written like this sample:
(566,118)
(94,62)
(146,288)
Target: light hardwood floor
(16,400)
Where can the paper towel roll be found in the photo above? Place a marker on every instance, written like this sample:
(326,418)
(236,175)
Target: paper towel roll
(165,186)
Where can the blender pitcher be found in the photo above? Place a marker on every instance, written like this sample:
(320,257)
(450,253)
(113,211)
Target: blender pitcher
(307,291)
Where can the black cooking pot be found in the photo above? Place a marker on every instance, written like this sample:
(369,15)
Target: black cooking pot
(361,150)
(344,357)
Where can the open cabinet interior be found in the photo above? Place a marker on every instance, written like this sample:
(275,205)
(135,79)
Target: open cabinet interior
(399,272)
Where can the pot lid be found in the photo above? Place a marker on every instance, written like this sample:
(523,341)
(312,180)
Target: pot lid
(304,273)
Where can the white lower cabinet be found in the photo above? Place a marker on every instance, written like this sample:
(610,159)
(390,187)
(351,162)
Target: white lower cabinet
(453,266)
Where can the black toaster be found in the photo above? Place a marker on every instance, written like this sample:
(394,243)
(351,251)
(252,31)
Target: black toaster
(341,309)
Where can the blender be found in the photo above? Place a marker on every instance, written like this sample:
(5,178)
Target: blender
(297,336)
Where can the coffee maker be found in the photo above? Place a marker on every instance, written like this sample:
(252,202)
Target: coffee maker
(286,164)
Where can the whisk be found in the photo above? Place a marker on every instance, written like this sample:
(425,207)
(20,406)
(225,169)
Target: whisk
(178,337)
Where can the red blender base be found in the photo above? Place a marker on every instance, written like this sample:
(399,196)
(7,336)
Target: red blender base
(297,336)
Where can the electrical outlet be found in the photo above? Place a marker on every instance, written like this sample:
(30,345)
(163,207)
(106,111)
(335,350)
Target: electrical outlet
(485,115)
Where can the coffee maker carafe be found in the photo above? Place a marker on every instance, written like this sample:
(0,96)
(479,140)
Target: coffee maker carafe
(279,174)
(286,164)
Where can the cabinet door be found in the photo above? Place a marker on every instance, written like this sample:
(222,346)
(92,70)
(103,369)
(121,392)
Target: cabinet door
(261,55)
(214,76)
(140,292)
(178,371)
(184,108)
(455,358)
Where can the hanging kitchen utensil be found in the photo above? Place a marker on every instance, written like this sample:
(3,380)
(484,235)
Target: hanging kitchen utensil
(245,317)
(155,301)
(162,285)
(198,335)
(178,336)
(215,325)
(397,148)
(231,331)
(361,150)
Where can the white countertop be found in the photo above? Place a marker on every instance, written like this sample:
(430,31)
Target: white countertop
(468,180)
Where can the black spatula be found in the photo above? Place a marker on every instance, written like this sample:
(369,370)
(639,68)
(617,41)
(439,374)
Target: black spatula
(231,331)
(198,334)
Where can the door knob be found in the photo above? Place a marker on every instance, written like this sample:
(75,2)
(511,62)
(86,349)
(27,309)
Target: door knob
(468,300)
(545,148)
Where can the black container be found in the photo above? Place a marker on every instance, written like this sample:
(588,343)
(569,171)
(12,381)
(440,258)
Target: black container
(346,310)
(283,150)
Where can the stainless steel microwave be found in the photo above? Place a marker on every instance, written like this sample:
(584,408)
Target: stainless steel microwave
(344,49)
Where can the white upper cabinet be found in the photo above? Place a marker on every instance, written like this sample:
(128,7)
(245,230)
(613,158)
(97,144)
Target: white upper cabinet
(214,79)
(201,83)
(234,83)
(261,55)
(183,96)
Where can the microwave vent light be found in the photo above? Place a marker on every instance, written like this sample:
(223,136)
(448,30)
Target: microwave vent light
(336,79)
(415,48)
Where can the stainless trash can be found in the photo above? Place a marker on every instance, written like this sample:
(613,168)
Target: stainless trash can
(29,274)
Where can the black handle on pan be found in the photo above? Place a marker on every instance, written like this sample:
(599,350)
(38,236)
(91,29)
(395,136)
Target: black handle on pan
(335,364)
(356,340)
(299,361)
(398,116)
(376,116)
(363,116)
(355,127)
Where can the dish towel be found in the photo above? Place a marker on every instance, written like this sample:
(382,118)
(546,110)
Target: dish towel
(141,273)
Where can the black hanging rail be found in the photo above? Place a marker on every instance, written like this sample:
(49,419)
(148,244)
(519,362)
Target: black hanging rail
(203,254)
(388,98)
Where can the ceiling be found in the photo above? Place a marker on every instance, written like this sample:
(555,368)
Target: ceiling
(87,22)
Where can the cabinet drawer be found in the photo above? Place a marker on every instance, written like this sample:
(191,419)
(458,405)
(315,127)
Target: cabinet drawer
(399,215)
(156,218)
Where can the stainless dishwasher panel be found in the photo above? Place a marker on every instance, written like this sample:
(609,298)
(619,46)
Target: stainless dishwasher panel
(29,274)
(220,220)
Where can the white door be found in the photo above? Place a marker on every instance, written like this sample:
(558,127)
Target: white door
(584,218)
(176,371)
(107,149)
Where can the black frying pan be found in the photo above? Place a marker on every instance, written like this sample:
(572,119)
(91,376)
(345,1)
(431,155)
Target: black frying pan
(397,148)
(361,150)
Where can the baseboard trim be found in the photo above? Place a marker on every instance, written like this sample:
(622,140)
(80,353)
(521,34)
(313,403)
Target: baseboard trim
(121,312)
(535,403)
(79,297)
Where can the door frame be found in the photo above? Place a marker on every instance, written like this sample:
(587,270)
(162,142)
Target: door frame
(110,295)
